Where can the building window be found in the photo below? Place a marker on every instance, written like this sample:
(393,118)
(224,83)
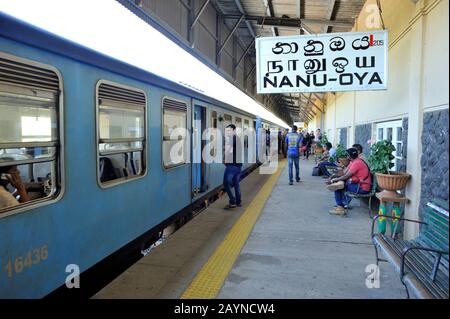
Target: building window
(392,131)
(30,134)
(121,133)
(174,144)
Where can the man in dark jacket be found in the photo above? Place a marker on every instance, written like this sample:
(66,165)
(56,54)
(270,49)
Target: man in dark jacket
(233,166)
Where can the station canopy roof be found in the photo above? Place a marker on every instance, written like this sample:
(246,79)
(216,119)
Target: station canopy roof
(82,21)
(268,18)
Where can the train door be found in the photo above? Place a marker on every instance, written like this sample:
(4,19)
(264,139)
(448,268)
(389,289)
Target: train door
(198,163)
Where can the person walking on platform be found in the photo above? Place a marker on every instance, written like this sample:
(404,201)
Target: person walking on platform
(233,165)
(293,141)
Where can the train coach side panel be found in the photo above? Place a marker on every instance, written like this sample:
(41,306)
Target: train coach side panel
(88,223)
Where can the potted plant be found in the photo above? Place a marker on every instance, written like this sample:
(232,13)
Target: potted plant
(380,163)
(321,143)
(341,155)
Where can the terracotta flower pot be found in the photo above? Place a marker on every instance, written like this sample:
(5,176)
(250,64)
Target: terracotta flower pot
(391,183)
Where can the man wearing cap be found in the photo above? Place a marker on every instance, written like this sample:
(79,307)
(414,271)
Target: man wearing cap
(357,179)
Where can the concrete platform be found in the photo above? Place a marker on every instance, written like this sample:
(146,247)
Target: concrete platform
(298,250)
(169,268)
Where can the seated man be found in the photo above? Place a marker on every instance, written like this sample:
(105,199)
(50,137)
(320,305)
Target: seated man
(11,175)
(357,179)
(326,159)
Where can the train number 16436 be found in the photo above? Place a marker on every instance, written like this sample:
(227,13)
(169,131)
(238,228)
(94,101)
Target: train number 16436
(19,263)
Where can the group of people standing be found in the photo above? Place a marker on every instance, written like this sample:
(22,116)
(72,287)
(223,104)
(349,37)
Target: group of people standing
(309,139)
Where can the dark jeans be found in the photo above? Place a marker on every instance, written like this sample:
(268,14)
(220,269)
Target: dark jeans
(231,178)
(323,167)
(293,161)
(306,153)
(343,200)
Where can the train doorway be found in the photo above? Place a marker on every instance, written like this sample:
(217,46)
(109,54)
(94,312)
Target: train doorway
(198,163)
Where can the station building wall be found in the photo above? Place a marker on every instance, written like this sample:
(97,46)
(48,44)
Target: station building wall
(417,98)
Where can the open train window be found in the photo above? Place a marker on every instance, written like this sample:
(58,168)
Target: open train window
(245,133)
(175,137)
(30,135)
(121,133)
(213,136)
(227,120)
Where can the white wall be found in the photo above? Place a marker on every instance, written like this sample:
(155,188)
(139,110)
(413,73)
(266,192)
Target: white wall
(418,81)
(436,57)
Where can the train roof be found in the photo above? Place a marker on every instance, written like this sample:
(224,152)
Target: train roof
(41,35)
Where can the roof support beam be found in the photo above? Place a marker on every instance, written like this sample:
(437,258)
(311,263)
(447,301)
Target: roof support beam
(320,98)
(230,35)
(306,108)
(329,14)
(244,54)
(312,103)
(291,22)
(242,11)
(250,72)
(269,6)
(301,107)
(304,114)
(199,14)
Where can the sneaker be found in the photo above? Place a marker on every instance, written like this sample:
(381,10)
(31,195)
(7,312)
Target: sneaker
(239,205)
(345,206)
(230,206)
(298,180)
(291,183)
(339,210)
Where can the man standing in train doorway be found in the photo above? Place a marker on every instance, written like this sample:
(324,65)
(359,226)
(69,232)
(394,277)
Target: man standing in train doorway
(293,141)
(233,166)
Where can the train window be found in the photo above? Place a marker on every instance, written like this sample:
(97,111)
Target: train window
(121,133)
(245,133)
(174,144)
(30,149)
(227,119)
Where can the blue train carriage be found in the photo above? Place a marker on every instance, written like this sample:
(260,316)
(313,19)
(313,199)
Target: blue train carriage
(89,136)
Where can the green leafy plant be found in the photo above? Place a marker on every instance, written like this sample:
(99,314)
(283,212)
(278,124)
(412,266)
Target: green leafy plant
(323,140)
(380,159)
(340,153)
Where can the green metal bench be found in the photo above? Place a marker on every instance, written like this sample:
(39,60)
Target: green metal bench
(422,263)
(372,193)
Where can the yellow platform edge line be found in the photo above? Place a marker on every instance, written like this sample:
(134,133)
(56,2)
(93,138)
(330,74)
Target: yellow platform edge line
(209,280)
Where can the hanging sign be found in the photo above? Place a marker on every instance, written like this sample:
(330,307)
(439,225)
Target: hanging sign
(330,62)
